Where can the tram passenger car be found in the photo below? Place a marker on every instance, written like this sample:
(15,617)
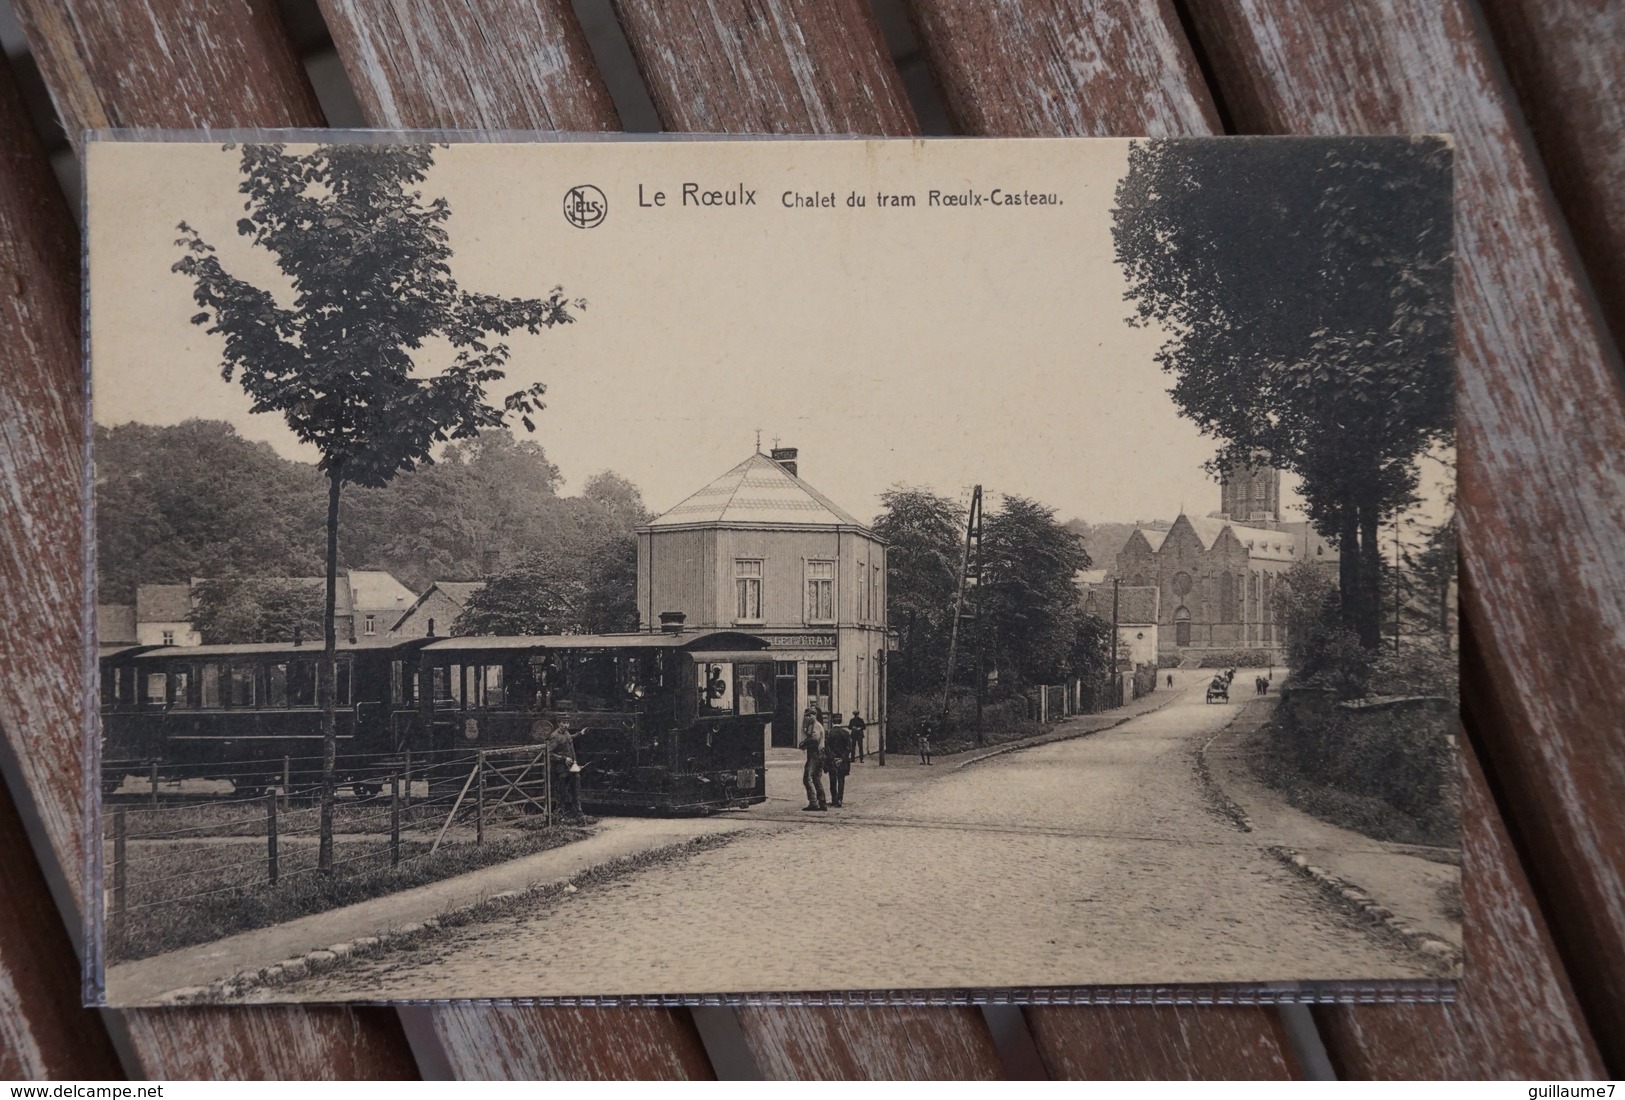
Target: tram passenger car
(673,722)
(670,722)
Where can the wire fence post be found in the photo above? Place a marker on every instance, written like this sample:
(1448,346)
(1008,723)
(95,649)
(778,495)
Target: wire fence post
(152,781)
(270,834)
(479,799)
(121,872)
(395,820)
(547,789)
(287,782)
(406,784)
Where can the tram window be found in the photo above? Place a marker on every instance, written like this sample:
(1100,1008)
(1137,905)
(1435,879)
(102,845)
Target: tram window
(491,693)
(240,686)
(302,683)
(209,682)
(753,687)
(180,690)
(276,685)
(341,686)
(716,686)
(157,687)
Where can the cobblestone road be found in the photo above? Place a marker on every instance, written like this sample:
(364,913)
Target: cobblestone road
(1091,861)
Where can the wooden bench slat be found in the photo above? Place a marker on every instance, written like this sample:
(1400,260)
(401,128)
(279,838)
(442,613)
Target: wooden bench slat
(1541,438)
(111,64)
(1515,1016)
(492,64)
(1042,68)
(767,66)
(1117,67)
(1565,61)
(1164,1042)
(167,63)
(594,1044)
(44,1033)
(870,1043)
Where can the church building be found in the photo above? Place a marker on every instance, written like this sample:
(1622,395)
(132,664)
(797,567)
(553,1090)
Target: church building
(762,551)
(1216,575)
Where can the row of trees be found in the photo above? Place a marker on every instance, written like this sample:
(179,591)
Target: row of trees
(197,500)
(1305,289)
(1030,629)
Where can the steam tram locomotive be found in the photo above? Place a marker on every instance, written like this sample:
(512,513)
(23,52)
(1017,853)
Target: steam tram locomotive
(669,722)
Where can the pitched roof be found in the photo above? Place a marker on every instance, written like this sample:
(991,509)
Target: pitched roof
(458,591)
(115,623)
(1137,604)
(163,603)
(758,491)
(1261,542)
(1152,535)
(375,590)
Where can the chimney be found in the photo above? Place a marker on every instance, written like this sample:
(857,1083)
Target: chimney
(671,622)
(786,457)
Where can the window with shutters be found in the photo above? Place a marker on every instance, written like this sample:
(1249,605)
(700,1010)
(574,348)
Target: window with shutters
(748,590)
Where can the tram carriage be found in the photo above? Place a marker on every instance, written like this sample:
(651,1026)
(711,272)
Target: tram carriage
(670,722)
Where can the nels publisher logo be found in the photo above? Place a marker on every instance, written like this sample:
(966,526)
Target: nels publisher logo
(585,206)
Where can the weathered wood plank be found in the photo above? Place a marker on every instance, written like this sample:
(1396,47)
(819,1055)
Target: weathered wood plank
(43,1030)
(1037,69)
(149,64)
(1515,1016)
(867,1044)
(1542,438)
(169,63)
(596,1044)
(493,64)
(767,66)
(1565,61)
(1116,67)
(1164,1042)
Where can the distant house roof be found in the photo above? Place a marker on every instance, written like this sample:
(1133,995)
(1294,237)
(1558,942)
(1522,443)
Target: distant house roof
(1089,577)
(375,590)
(457,592)
(163,603)
(115,623)
(758,491)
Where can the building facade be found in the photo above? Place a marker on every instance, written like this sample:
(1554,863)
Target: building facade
(435,609)
(1216,576)
(762,551)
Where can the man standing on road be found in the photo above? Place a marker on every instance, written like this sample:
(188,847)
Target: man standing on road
(1170,679)
(837,760)
(925,742)
(812,743)
(859,729)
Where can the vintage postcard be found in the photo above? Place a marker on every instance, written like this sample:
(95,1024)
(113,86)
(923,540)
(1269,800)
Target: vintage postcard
(625,569)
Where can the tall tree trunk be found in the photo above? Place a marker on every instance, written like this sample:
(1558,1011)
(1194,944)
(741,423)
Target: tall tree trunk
(327,677)
(1369,624)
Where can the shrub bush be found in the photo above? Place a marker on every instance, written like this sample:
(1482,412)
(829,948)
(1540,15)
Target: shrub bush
(1238,658)
(1003,720)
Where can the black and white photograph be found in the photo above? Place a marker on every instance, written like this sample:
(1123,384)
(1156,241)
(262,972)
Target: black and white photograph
(596,570)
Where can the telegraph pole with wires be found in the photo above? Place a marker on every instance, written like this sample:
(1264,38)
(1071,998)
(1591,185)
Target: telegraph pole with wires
(970,578)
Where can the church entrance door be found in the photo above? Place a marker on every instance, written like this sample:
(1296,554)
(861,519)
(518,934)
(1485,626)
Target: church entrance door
(1182,627)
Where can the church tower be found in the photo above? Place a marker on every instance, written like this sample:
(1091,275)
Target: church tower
(1251,494)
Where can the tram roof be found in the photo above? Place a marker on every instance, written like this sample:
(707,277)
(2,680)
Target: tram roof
(706,640)
(265,649)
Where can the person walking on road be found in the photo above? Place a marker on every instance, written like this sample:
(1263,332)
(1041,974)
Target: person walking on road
(860,729)
(837,760)
(925,742)
(1170,679)
(812,743)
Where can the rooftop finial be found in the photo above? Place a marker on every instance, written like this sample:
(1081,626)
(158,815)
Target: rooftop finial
(758,441)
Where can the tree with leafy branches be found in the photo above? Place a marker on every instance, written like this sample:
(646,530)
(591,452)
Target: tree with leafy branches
(366,288)
(1304,287)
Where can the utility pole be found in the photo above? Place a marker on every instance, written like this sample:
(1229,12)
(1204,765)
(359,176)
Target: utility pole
(1116,688)
(880,665)
(972,554)
(1397,556)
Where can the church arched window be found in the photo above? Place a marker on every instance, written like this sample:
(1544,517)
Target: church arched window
(1227,597)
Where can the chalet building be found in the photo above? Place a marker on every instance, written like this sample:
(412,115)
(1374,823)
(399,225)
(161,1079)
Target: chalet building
(433,612)
(162,615)
(1215,576)
(762,551)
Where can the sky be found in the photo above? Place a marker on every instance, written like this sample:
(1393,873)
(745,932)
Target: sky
(940,346)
